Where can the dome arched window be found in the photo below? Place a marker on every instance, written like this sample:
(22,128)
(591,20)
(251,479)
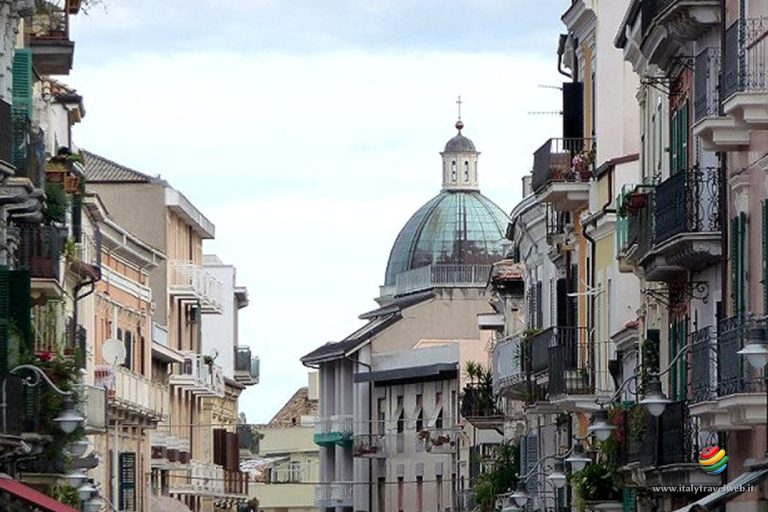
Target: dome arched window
(466,170)
(453,170)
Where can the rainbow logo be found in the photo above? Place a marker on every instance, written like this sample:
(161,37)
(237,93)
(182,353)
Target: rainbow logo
(713,460)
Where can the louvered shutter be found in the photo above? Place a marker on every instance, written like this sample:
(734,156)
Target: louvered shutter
(127,475)
(532,457)
(5,320)
(21,108)
(219,446)
(673,147)
(683,130)
(539,312)
(629,500)
(20,316)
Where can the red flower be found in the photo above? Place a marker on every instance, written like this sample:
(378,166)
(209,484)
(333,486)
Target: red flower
(45,356)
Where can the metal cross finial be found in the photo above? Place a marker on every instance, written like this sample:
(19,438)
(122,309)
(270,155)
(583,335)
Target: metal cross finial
(459,102)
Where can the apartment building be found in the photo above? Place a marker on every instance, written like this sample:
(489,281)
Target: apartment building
(390,428)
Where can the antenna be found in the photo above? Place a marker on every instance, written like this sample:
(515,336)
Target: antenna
(545,113)
(546,86)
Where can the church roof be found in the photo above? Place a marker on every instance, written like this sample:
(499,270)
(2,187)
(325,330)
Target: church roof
(460,144)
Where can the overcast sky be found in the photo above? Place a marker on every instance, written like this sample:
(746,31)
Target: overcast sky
(309,131)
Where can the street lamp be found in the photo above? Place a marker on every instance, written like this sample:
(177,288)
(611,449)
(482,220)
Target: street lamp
(578,459)
(520,496)
(68,419)
(85,491)
(600,426)
(557,476)
(756,349)
(78,448)
(655,400)
(76,478)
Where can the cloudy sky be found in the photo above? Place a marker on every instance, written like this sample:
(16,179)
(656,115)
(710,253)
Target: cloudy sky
(309,131)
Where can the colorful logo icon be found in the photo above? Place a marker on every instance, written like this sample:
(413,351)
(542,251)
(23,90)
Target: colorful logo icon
(713,460)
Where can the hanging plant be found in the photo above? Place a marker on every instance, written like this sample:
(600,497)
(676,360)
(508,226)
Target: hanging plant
(56,203)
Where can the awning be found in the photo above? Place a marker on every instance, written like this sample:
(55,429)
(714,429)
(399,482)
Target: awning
(33,497)
(168,504)
(729,491)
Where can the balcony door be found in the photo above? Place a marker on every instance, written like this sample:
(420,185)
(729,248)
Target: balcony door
(678,143)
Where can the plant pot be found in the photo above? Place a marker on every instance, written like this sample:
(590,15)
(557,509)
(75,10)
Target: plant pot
(605,506)
(585,174)
(636,202)
(71,184)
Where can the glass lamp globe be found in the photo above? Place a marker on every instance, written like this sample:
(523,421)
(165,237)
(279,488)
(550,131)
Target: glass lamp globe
(69,419)
(655,400)
(78,448)
(557,477)
(756,349)
(85,491)
(578,459)
(600,426)
(75,478)
(520,497)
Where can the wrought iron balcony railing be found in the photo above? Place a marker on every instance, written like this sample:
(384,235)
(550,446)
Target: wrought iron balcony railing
(746,56)
(556,160)
(571,362)
(246,366)
(39,251)
(706,77)
(540,350)
(687,202)
(651,442)
(509,364)
(735,375)
(703,365)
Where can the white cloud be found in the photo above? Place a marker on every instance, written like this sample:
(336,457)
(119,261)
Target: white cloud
(310,164)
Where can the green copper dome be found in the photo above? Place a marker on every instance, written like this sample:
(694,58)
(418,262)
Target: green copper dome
(455,227)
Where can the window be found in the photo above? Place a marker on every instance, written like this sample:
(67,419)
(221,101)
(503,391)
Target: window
(294,471)
(400,494)
(765,257)
(453,170)
(400,415)
(382,494)
(419,413)
(419,494)
(439,420)
(382,416)
(128,342)
(439,487)
(466,171)
(739,264)
(678,144)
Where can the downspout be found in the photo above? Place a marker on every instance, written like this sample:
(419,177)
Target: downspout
(560,51)
(722,160)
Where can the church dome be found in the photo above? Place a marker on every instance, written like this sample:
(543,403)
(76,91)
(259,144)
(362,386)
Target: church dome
(460,144)
(455,227)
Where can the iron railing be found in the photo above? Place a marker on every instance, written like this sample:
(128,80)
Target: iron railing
(641,437)
(687,202)
(677,435)
(509,363)
(571,362)
(703,365)
(556,221)
(439,276)
(554,161)
(50,21)
(734,373)
(746,56)
(39,251)
(640,227)
(705,80)
(540,350)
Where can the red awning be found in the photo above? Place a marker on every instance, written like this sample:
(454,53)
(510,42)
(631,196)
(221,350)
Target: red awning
(33,497)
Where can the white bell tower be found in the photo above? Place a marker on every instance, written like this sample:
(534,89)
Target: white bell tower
(460,161)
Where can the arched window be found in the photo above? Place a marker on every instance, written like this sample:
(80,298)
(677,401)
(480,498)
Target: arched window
(453,170)
(466,171)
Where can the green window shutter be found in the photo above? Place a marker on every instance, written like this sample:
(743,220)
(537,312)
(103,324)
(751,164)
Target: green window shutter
(629,500)
(20,315)
(23,78)
(5,320)
(127,477)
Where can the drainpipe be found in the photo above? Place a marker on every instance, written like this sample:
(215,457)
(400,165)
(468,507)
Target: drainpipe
(722,160)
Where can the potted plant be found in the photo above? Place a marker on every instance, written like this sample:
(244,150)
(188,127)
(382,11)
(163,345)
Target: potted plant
(636,201)
(597,489)
(582,164)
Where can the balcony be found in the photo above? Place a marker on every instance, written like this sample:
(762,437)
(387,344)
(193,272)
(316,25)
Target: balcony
(703,365)
(688,19)
(559,232)
(337,494)
(562,169)
(336,430)
(39,251)
(85,258)
(436,441)
(746,73)
(246,366)
(571,368)
(92,404)
(191,282)
(199,377)
(48,34)
(478,406)
(131,394)
(438,276)
(372,446)
(731,394)
(664,450)
(510,374)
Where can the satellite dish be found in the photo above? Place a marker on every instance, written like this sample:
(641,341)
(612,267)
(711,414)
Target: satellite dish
(113,352)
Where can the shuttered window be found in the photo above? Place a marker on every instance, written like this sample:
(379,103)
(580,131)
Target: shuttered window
(21,107)
(127,481)
(678,336)
(629,500)
(678,143)
(739,264)
(19,316)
